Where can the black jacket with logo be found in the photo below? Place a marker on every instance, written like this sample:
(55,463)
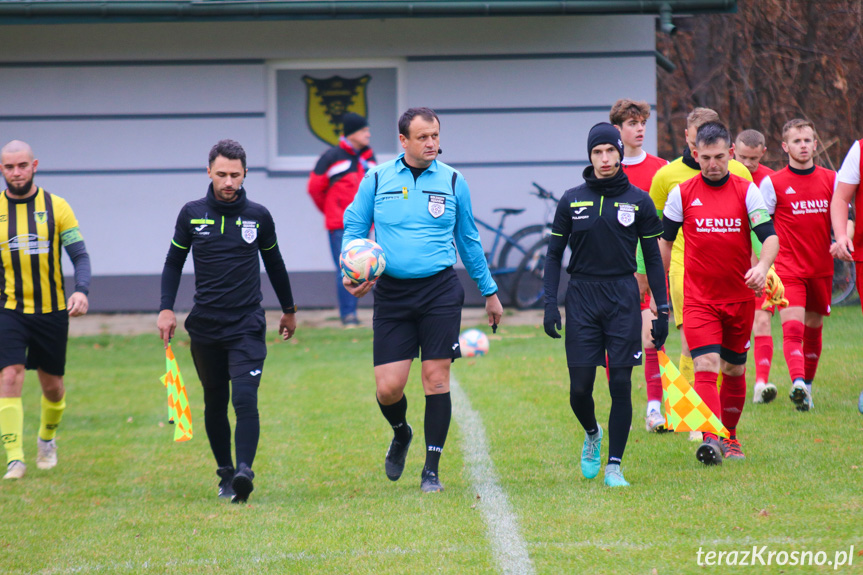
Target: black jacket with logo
(225,239)
(602,220)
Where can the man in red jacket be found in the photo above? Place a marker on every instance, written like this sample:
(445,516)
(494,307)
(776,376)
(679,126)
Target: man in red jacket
(333,184)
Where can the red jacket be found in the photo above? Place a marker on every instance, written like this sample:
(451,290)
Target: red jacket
(334,181)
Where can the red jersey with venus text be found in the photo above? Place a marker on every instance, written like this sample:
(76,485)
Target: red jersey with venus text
(799,201)
(716,223)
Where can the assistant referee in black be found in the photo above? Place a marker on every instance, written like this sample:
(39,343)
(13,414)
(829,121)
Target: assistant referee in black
(602,220)
(227,327)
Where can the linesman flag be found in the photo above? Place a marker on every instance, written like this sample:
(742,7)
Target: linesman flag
(684,409)
(179,412)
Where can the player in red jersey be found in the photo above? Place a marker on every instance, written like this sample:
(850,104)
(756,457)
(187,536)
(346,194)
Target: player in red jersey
(798,197)
(849,189)
(630,117)
(716,211)
(749,148)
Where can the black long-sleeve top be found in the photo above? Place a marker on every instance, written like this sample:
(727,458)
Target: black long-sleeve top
(225,239)
(602,220)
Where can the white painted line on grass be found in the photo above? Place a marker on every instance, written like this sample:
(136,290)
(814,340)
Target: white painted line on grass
(510,550)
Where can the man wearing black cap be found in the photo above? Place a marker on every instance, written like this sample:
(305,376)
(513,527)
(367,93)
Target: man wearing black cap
(602,220)
(333,184)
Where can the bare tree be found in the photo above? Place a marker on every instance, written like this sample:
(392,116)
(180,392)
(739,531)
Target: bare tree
(772,61)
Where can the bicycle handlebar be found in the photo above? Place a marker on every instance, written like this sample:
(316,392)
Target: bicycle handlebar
(542,193)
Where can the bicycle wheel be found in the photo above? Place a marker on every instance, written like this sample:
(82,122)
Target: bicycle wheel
(511,254)
(844,276)
(527,287)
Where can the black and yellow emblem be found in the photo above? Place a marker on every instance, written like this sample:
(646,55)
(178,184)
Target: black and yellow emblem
(330,98)
(40,217)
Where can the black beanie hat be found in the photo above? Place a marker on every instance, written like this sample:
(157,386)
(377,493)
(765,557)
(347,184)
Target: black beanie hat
(353,123)
(604,133)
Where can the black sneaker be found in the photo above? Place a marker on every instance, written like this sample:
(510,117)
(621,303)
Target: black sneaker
(242,484)
(227,475)
(709,452)
(430,482)
(396,455)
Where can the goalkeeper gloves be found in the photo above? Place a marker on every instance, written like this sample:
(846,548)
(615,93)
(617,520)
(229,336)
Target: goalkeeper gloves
(551,320)
(774,291)
(659,331)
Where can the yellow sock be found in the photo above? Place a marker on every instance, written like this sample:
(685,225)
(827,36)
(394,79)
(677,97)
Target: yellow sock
(12,427)
(687,368)
(719,381)
(52,413)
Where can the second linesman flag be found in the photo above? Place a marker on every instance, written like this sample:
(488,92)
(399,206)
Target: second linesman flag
(684,409)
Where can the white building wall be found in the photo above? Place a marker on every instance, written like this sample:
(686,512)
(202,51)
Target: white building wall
(122,116)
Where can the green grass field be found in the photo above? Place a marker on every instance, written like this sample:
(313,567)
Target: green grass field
(126,499)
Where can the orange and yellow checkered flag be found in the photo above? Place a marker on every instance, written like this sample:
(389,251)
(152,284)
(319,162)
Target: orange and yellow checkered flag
(179,412)
(684,409)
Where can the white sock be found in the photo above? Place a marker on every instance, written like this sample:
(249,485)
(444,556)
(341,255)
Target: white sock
(653,405)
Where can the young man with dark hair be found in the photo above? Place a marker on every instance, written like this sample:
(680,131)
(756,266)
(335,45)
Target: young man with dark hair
(602,299)
(630,118)
(798,197)
(422,213)
(749,149)
(34,312)
(716,211)
(333,184)
(226,232)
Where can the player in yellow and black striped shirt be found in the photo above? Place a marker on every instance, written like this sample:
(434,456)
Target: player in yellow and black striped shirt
(34,312)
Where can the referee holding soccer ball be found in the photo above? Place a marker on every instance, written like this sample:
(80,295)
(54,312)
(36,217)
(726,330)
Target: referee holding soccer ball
(602,220)
(418,205)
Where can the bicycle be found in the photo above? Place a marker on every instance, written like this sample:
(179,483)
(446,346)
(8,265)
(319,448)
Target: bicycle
(512,246)
(497,264)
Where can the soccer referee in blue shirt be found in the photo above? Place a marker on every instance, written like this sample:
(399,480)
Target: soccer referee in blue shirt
(418,205)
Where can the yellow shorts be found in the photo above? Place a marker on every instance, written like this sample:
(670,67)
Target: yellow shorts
(676,284)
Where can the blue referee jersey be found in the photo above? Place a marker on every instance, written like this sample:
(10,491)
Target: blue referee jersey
(416,222)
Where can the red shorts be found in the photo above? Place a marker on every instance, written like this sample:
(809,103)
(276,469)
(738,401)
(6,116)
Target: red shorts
(646,303)
(812,294)
(759,301)
(726,325)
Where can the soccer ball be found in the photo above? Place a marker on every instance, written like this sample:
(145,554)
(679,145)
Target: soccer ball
(362,260)
(473,342)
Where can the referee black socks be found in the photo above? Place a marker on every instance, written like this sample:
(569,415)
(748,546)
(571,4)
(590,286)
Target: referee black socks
(396,415)
(438,416)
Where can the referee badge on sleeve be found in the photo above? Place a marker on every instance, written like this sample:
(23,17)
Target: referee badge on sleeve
(437,206)
(626,215)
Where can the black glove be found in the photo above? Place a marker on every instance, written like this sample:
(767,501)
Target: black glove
(659,331)
(551,320)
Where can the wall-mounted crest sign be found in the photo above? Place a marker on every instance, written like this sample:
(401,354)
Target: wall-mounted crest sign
(327,99)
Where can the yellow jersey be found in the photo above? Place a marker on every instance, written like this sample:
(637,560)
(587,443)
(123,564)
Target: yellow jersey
(32,232)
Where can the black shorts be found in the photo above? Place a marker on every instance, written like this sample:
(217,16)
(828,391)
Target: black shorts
(34,340)
(603,316)
(241,338)
(414,314)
